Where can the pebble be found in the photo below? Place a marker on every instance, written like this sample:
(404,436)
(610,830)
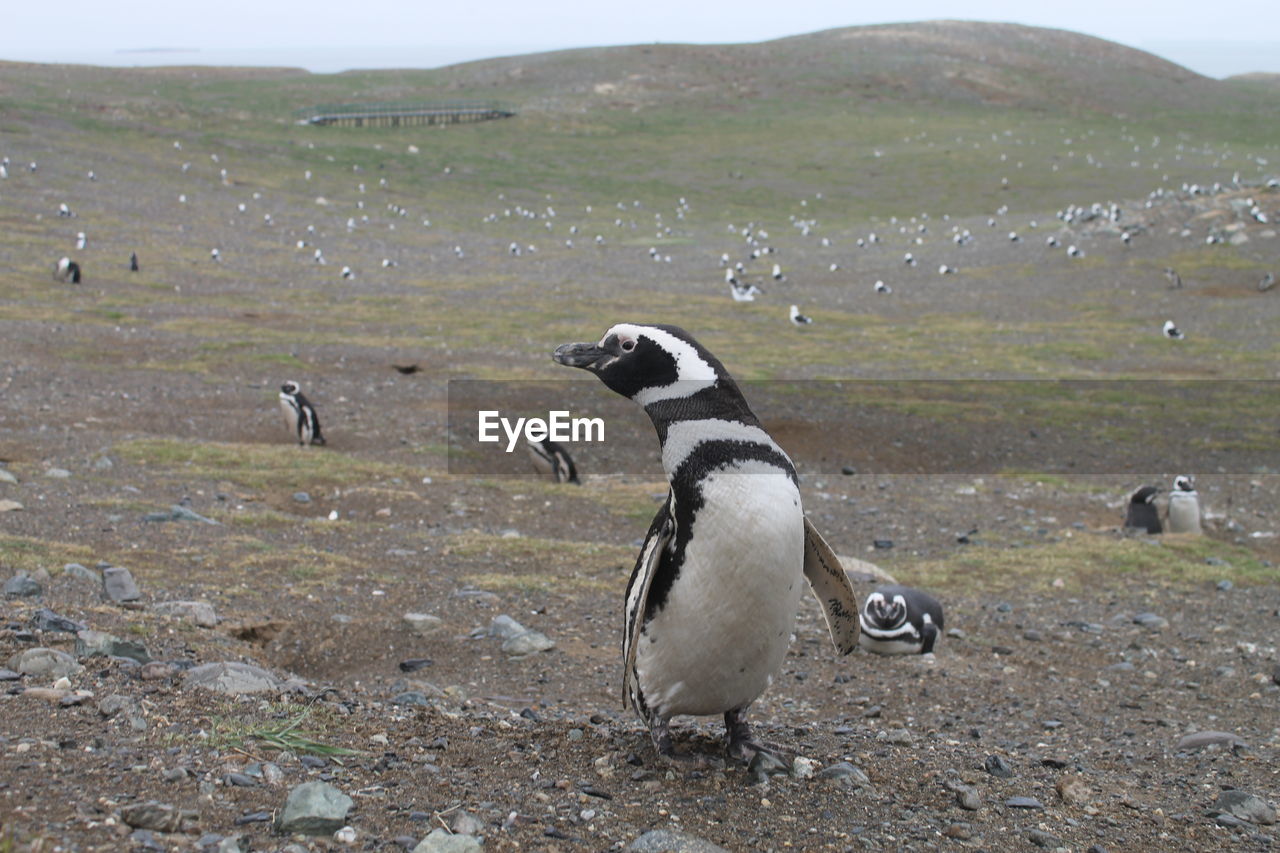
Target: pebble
(235,679)
(465,823)
(670,841)
(1199,740)
(46,620)
(9,675)
(1073,790)
(7,477)
(91,644)
(8,505)
(198,613)
(79,572)
(22,586)
(411,697)
(1244,806)
(158,817)
(959,830)
(898,737)
(315,808)
(844,773)
(996,766)
(57,473)
(1151,622)
(530,642)
(302,497)
(415,664)
(441,841)
(802,768)
(423,624)
(1224,585)
(346,835)
(1023,803)
(967,797)
(118,585)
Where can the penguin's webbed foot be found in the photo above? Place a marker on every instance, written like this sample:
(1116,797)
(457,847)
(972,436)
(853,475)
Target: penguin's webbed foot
(742,747)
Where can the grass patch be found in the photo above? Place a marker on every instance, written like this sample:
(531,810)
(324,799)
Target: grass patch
(285,734)
(28,554)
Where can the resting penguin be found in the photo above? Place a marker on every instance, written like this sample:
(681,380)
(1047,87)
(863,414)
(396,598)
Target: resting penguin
(1184,507)
(553,462)
(299,415)
(899,620)
(712,599)
(1142,512)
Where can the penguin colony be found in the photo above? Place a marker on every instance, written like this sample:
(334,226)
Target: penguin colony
(712,599)
(299,415)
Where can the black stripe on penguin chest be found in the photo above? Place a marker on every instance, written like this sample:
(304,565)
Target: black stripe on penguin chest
(707,459)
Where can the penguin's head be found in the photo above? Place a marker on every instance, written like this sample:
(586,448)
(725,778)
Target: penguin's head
(885,613)
(646,363)
(1182,483)
(290,388)
(1144,495)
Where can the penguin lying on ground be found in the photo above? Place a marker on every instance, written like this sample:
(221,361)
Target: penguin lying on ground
(1142,512)
(553,462)
(899,620)
(1184,507)
(712,600)
(299,415)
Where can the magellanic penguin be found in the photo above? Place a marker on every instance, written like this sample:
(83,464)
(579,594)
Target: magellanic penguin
(899,620)
(712,600)
(1184,507)
(1142,513)
(299,415)
(553,462)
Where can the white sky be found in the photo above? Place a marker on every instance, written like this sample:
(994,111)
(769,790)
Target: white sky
(82,30)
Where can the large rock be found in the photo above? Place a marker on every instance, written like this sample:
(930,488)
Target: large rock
(235,678)
(423,624)
(198,613)
(441,841)
(22,586)
(1245,806)
(49,663)
(315,808)
(118,584)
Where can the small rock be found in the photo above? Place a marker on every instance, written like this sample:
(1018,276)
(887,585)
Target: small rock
(528,643)
(423,624)
(504,628)
(159,817)
(1244,806)
(1023,803)
(844,773)
(315,808)
(198,613)
(1151,622)
(802,768)
(48,663)
(6,476)
(898,737)
(411,697)
(9,675)
(46,620)
(1199,740)
(959,830)
(302,497)
(157,670)
(1224,585)
(1047,840)
(346,835)
(118,584)
(22,586)
(967,797)
(235,678)
(1031,635)
(91,644)
(414,664)
(57,473)
(465,823)
(669,841)
(882,544)
(996,766)
(440,841)
(8,505)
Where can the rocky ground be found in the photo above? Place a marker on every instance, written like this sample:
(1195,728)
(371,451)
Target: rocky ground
(213,639)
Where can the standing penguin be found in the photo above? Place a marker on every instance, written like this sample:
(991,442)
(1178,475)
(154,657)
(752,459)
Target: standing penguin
(899,620)
(1142,513)
(712,600)
(299,415)
(1184,507)
(133,262)
(553,462)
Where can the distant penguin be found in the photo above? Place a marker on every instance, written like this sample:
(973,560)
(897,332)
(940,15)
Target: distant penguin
(1267,282)
(1184,507)
(798,319)
(1175,280)
(299,415)
(1142,513)
(1172,331)
(899,620)
(553,462)
(67,270)
(133,262)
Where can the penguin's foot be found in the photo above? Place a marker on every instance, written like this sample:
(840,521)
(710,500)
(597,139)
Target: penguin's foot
(742,747)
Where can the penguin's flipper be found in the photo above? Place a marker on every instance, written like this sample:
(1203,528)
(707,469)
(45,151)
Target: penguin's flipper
(831,587)
(661,532)
(928,636)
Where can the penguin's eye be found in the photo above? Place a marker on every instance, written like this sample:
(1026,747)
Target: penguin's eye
(628,346)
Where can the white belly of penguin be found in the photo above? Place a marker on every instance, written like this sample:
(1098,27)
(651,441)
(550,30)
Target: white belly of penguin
(726,624)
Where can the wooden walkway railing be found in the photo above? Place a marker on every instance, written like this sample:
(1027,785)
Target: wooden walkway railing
(403,115)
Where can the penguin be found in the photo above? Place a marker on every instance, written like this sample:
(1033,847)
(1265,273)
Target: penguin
(1184,507)
(299,415)
(744,292)
(1175,280)
(899,620)
(881,287)
(67,270)
(1172,331)
(712,599)
(798,319)
(1267,282)
(553,462)
(133,262)
(1142,513)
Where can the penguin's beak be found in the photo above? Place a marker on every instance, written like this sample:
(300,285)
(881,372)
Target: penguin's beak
(578,355)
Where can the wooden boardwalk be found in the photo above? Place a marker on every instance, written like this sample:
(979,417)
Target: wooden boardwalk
(403,115)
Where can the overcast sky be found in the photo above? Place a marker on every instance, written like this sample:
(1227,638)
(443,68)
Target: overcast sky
(91,30)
